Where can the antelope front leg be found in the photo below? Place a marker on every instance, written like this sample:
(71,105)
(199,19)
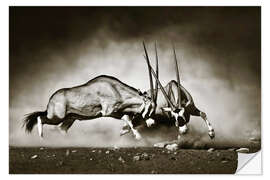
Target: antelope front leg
(211,131)
(125,129)
(127,119)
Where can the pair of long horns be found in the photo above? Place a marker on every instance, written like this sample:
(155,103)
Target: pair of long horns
(150,69)
(153,92)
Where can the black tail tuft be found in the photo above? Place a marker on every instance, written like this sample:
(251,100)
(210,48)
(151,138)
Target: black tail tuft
(31,119)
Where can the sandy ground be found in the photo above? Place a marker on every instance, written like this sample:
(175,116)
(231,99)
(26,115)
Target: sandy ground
(140,160)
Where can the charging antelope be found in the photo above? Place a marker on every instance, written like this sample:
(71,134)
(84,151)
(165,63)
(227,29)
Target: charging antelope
(176,104)
(103,96)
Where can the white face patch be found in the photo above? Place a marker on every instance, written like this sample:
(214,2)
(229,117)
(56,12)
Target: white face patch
(151,109)
(175,115)
(145,111)
(183,129)
(148,109)
(181,113)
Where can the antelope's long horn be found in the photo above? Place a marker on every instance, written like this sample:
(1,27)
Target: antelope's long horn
(178,79)
(161,87)
(156,85)
(150,75)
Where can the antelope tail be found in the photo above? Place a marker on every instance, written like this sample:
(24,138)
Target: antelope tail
(31,120)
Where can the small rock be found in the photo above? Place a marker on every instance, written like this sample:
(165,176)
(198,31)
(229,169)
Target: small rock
(67,152)
(34,157)
(121,159)
(60,163)
(153,172)
(254,139)
(210,150)
(145,156)
(136,158)
(172,147)
(115,148)
(231,149)
(41,148)
(224,161)
(91,159)
(107,152)
(175,153)
(242,150)
(73,151)
(218,154)
(93,151)
(160,145)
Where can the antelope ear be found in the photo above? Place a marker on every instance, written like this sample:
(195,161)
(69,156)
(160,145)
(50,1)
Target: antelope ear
(167,109)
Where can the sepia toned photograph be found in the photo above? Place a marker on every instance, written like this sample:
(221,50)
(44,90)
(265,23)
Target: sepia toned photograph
(133,90)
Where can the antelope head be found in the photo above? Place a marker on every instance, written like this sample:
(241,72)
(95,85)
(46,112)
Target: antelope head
(176,111)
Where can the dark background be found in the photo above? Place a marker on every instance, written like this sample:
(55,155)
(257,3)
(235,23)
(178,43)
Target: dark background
(219,50)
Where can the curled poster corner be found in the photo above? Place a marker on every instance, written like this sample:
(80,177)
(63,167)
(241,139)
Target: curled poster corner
(249,163)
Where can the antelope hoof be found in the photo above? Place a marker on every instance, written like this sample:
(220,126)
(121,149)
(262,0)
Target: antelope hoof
(63,132)
(150,122)
(211,133)
(123,132)
(138,136)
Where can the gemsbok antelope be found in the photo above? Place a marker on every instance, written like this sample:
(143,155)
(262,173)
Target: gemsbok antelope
(176,105)
(103,96)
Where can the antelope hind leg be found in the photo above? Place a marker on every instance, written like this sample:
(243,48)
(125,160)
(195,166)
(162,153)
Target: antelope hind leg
(66,124)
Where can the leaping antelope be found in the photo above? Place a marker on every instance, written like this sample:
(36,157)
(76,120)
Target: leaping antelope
(176,104)
(103,96)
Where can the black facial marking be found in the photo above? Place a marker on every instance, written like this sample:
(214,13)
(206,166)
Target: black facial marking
(181,121)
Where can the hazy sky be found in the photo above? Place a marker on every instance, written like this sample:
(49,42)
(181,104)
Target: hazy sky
(219,52)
